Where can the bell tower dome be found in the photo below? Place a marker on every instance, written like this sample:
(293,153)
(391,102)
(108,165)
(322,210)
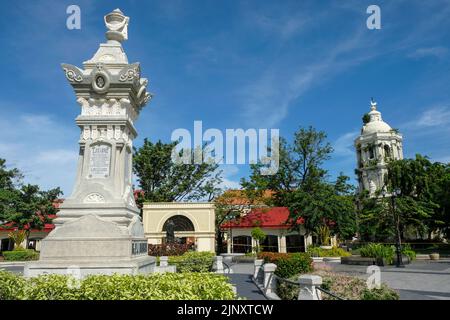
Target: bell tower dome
(377,144)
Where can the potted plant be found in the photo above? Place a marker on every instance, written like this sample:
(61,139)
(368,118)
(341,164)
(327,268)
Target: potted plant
(434,256)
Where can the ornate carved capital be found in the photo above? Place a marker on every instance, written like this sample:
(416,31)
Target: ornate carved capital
(130,72)
(73,74)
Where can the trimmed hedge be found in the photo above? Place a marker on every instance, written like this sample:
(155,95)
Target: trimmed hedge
(333,252)
(21,255)
(288,264)
(192,261)
(167,286)
(11,286)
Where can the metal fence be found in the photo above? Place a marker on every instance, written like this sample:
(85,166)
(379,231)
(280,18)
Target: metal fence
(296,283)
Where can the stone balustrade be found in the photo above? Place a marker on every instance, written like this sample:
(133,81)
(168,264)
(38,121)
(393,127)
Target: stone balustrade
(265,279)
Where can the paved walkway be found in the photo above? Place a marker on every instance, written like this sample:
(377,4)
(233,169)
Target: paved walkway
(241,278)
(420,280)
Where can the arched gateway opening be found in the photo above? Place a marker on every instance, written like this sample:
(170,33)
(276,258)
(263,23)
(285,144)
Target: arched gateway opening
(183,226)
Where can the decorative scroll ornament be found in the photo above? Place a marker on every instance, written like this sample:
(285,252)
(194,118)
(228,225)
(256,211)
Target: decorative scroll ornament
(94,198)
(130,72)
(73,74)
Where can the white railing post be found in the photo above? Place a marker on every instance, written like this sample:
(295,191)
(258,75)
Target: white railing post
(257,267)
(308,290)
(163,261)
(218,264)
(269,269)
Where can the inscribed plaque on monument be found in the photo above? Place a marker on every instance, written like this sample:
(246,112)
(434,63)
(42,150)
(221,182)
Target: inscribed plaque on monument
(99,161)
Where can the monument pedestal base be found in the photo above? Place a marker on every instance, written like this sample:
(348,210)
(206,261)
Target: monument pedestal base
(93,245)
(136,265)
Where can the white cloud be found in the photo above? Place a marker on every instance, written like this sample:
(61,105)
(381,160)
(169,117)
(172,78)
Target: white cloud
(283,26)
(438,52)
(268,99)
(285,79)
(436,116)
(343,146)
(43,149)
(58,157)
(229,172)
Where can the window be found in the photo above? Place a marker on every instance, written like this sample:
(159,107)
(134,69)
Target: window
(295,243)
(270,244)
(387,151)
(181,223)
(371,153)
(242,244)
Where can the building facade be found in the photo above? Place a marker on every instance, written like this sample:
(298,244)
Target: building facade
(377,144)
(274,222)
(194,222)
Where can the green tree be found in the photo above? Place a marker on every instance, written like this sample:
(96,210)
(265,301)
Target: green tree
(417,203)
(259,236)
(330,205)
(300,166)
(300,184)
(24,207)
(421,202)
(163,180)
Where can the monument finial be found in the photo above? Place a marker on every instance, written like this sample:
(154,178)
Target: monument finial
(117,24)
(373,104)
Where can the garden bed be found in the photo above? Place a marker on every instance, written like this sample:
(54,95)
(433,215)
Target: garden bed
(368,261)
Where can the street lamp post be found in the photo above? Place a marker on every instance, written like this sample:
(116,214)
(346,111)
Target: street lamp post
(396,218)
(398,244)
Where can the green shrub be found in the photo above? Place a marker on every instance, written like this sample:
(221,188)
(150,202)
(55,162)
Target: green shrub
(21,255)
(192,261)
(169,249)
(11,286)
(407,251)
(288,264)
(382,293)
(286,290)
(379,251)
(51,287)
(333,252)
(295,264)
(167,286)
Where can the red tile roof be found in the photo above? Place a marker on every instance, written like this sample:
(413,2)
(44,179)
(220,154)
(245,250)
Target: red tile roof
(275,218)
(47,227)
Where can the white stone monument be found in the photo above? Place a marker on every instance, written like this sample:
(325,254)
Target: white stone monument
(98,228)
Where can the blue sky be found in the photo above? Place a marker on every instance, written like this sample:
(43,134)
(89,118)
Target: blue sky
(231,64)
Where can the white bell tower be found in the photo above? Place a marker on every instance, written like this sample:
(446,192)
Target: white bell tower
(377,144)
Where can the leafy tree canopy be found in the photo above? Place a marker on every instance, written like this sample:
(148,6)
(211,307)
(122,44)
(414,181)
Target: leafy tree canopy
(24,207)
(163,180)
